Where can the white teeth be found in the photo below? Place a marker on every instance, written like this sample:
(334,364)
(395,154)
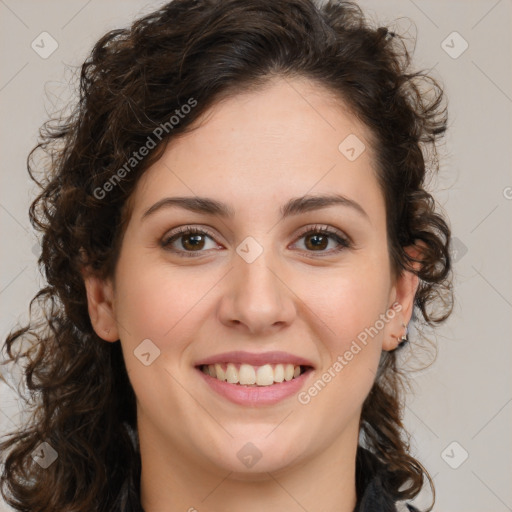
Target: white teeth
(265,375)
(288,372)
(231,374)
(279,373)
(249,375)
(221,374)
(246,374)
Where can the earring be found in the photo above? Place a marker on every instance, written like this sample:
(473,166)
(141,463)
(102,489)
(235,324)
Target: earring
(403,339)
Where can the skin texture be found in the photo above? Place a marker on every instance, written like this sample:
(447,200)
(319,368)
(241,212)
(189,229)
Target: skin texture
(254,152)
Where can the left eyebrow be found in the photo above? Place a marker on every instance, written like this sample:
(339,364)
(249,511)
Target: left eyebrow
(305,204)
(294,206)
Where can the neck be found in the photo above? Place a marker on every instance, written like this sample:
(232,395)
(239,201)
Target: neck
(173,480)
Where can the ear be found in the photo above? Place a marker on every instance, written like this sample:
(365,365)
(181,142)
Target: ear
(100,301)
(402,297)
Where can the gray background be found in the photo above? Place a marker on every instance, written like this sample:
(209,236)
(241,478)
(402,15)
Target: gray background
(465,396)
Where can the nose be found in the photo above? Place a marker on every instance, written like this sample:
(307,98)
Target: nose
(257,299)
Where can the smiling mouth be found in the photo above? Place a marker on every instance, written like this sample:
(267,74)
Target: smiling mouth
(249,375)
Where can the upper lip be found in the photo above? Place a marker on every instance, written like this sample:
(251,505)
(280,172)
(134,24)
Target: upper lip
(255,359)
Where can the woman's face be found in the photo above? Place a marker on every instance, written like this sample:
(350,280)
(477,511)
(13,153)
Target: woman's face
(257,289)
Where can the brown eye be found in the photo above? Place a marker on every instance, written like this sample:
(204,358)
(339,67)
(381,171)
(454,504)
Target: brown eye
(317,240)
(187,241)
(192,242)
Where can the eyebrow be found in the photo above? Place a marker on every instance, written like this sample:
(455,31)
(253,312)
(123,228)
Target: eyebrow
(294,206)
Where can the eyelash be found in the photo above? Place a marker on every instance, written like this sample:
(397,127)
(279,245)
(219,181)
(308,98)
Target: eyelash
(343,241)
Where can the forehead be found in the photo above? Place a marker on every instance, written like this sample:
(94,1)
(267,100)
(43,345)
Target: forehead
(287,139)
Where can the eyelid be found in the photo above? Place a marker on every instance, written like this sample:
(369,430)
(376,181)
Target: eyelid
(324,228)
(343,240)
(187,229)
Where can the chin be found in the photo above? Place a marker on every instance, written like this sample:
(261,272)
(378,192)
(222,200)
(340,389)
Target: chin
(258,472)
(250,458)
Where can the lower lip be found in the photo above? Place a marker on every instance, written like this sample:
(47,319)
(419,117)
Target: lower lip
(256,395)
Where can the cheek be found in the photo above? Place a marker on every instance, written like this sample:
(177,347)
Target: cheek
(348,300)
(159,303)
(153,299)
(349,305)
(345,303)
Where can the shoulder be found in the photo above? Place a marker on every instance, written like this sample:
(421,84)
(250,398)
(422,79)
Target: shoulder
(377,499)
(402,506)
(373,494)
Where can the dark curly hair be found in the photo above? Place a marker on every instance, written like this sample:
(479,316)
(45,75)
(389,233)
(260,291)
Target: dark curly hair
(80,398)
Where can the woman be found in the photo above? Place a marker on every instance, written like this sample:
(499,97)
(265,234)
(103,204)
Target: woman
(236,236)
